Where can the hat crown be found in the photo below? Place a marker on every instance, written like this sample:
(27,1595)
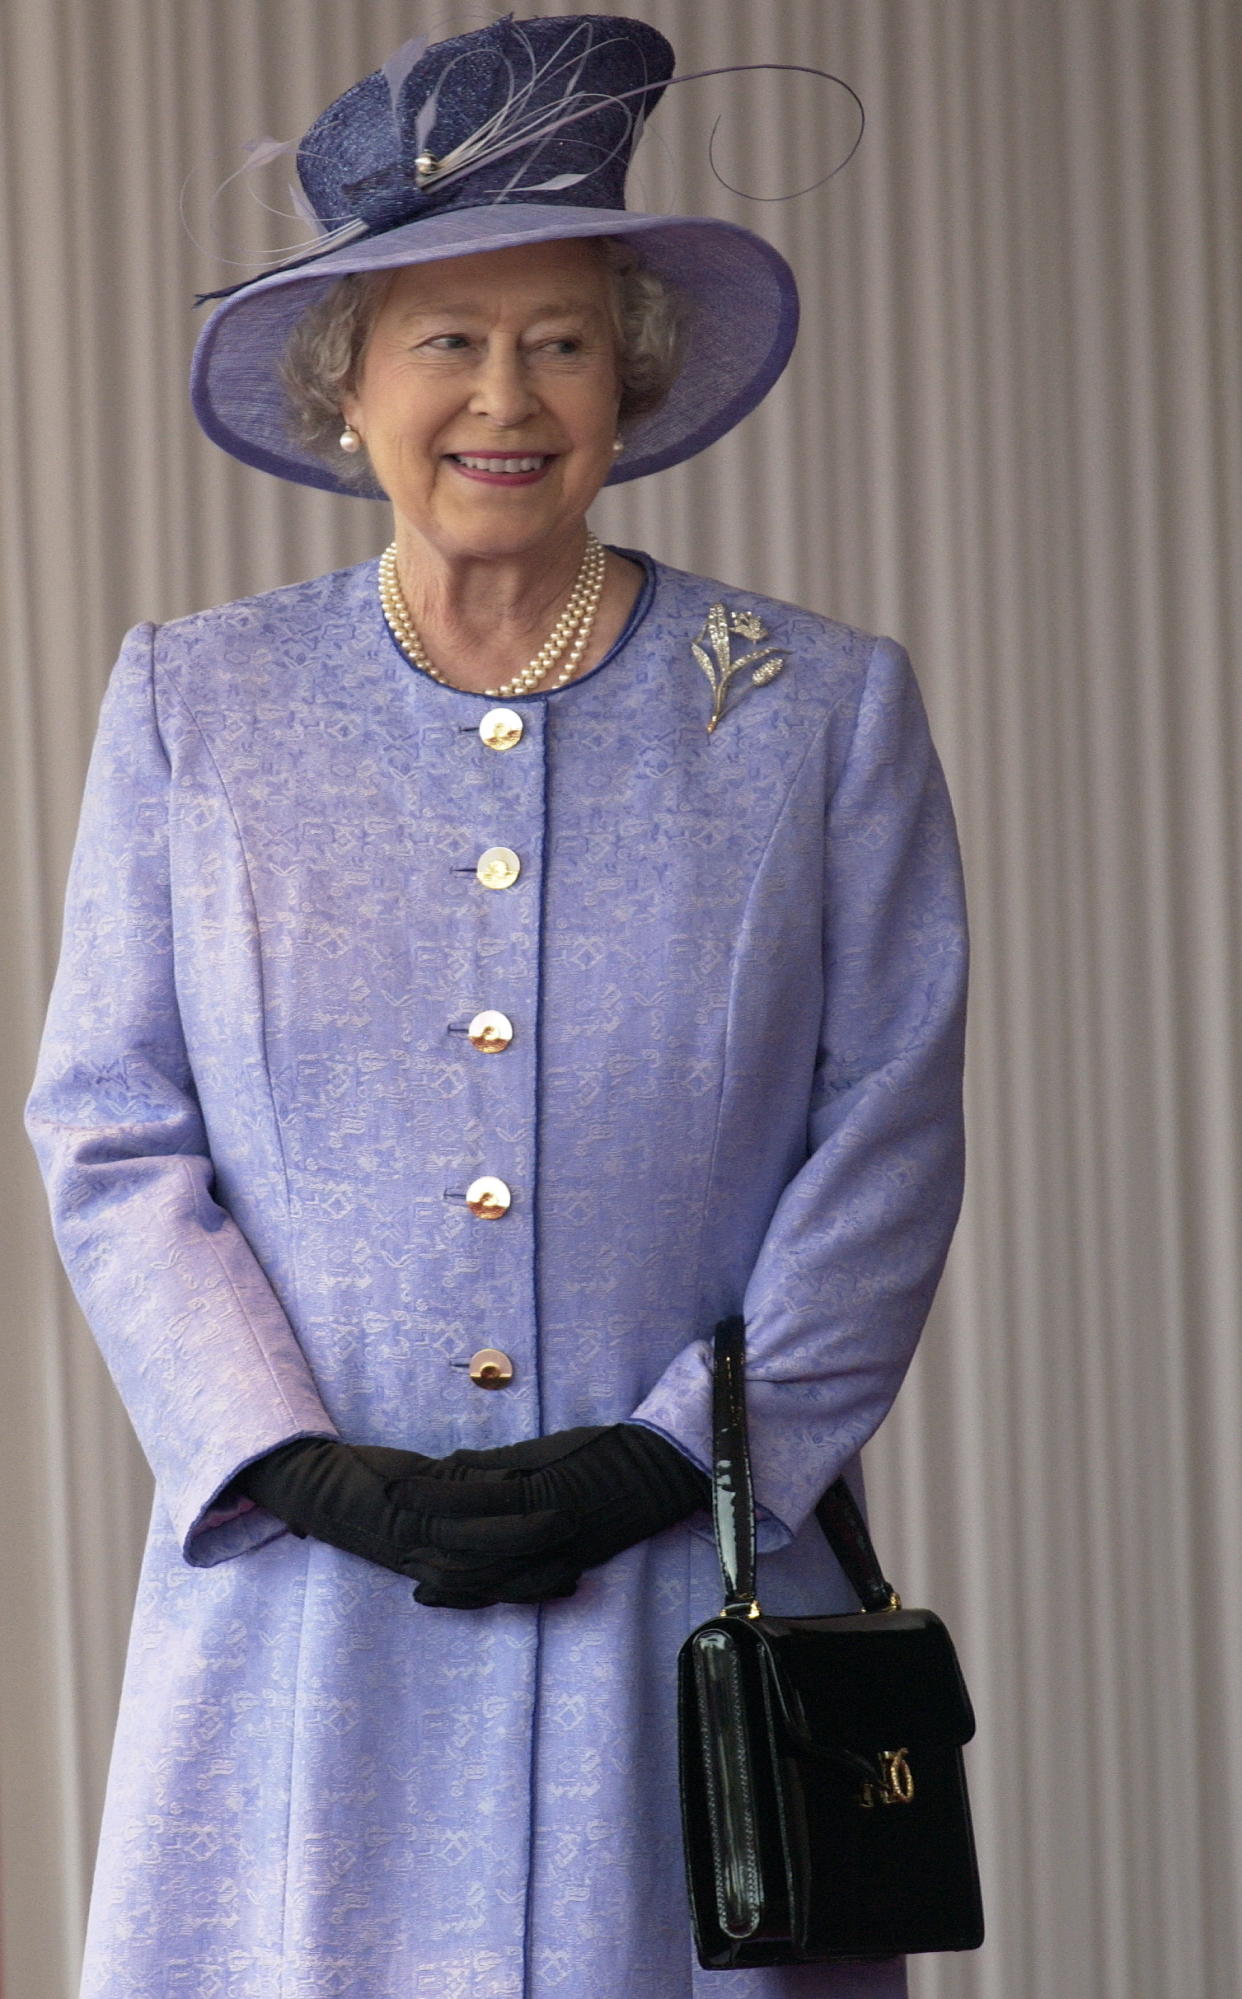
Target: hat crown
(530,111)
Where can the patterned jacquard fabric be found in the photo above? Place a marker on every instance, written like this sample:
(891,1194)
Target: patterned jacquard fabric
(733,963)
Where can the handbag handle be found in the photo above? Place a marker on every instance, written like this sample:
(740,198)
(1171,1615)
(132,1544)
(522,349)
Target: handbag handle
(733,1500)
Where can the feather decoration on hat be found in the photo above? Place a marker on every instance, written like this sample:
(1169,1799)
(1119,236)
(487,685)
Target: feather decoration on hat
(395,175)
(523,122)
(399,65)
(526,118)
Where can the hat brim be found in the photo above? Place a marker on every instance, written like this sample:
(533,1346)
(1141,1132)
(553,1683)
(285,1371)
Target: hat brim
(744,324)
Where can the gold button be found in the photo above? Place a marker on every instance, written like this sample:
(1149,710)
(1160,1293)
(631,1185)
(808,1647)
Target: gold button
(489,1368)
(488,1198)
(490,1032)
(499,867)
(501,728)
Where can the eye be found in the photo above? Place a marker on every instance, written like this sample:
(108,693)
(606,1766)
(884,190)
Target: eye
(446,343)
(564,347)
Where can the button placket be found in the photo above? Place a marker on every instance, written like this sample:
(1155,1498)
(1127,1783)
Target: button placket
(500,959)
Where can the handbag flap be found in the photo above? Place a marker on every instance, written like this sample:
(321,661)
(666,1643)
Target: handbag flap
(876,1679)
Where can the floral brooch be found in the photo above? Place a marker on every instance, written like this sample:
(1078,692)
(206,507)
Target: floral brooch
(720,628)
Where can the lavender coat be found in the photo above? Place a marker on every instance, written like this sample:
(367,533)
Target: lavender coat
(734,966)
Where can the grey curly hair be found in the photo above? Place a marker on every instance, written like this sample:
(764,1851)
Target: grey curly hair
(323,352)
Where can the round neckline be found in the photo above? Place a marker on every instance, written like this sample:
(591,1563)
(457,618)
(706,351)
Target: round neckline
(638,611)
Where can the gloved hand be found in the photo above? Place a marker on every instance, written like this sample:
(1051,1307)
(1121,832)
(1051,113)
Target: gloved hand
(581,1495)
(342,1494)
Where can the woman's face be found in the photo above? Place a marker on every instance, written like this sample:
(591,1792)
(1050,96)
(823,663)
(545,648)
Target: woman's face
(487,398)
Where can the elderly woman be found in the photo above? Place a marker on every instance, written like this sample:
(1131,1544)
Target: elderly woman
(483,972)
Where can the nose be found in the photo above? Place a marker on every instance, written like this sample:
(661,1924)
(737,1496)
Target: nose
(502,390)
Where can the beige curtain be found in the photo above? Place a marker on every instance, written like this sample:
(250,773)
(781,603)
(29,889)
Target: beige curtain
(1009,436)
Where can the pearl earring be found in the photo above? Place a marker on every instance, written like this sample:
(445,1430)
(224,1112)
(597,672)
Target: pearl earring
(349,439)
(618,446)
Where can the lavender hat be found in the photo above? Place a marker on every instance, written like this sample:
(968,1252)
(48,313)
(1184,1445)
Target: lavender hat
(520,132)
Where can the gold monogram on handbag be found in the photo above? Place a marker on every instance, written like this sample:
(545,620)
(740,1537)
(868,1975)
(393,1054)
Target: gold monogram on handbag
(823,1789)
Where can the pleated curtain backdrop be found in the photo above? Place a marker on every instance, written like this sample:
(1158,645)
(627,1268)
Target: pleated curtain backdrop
(1010,437)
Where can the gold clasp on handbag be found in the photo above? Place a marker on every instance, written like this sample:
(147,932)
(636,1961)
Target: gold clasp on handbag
(895,1785)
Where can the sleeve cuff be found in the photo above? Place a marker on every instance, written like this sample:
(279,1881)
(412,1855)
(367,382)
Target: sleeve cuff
(224,1527)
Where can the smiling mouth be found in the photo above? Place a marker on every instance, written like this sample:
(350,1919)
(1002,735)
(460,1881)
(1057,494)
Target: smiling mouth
(507,467)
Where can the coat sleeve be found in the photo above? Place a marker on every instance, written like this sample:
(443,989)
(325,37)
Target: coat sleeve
(197,1342)
(855,1248)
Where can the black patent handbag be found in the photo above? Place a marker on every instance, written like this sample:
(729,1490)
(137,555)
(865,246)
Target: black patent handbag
(823,1790)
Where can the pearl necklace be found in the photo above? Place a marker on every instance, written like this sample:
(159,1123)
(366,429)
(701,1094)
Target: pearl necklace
(568,636)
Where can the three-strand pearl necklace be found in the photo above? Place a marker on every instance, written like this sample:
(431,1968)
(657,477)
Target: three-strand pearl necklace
(563,648)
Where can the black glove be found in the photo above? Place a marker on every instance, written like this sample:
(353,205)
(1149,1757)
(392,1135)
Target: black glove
(582,1495)
(341,1493)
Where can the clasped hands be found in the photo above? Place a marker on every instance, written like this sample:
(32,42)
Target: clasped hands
(513,1525)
